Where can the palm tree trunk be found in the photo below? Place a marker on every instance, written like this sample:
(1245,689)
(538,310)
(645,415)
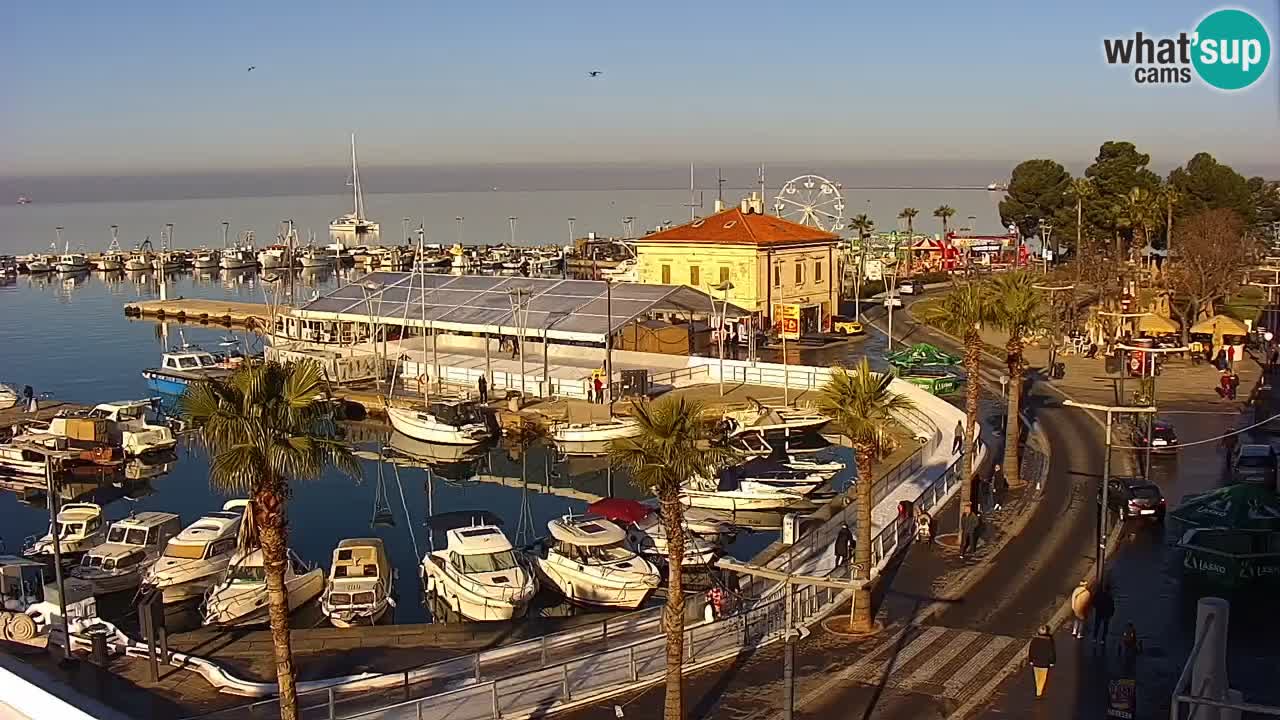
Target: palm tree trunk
(972,359)
(268,508)
(1079,238)
(1013,428)
(1168,230)
(862,549)
(673,613)
(911,253)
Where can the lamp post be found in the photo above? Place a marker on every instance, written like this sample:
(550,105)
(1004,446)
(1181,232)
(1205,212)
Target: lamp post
(723,287)
(458,219)
(891,292)
(572,236)
(55,501)
(512,220)
(367,289)
(1046,231)
(1106,472)
(1150,353)
(1004,406)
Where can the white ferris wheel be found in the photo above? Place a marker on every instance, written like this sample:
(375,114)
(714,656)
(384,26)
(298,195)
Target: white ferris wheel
(811,200)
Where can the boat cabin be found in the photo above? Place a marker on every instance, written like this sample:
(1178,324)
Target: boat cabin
(457,412)
(131,540)
(122,411)
(21,583)
(589,540)
(360,572)
(79,520)
(189,360)
(480,549)
(211,536)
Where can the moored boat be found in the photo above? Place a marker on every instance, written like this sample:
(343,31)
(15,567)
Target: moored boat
(79,528)
(195,558)
(448,422)
(360,583)
(240,597)
(180,368)
(589,562)
(479,575)
(595,432)
(130,548)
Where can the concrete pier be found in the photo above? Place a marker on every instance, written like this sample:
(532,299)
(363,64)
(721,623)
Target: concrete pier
(196,310)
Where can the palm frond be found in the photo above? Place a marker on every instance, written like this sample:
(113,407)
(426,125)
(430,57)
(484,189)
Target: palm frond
(862,406)
(673,446)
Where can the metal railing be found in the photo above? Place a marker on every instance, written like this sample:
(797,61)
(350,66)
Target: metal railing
(1186,702)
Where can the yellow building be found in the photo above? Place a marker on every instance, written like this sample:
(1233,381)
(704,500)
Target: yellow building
(770,261)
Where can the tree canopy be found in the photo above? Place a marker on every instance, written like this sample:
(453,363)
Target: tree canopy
(1212,251)
(1205,184)
(1037,191)
(1115,172)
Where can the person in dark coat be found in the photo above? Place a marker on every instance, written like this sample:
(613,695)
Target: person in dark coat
(1104,606)
(844,545)
(1130,649)
(999,486)
(958,443)
(968,532)
(1042,655)
(483,385)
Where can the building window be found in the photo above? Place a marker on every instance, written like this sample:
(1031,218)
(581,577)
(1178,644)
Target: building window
(695,275)
(724,274)
(777,275)
(666,274)
(799,272)
(817,271)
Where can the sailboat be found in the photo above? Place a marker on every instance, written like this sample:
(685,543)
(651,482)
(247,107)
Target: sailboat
(112,260)
(353,228)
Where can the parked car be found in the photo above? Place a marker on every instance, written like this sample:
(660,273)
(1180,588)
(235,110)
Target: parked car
(1163,437)
(892,301)
(846,326)
(1254,463)
(911,287)
(1131,497)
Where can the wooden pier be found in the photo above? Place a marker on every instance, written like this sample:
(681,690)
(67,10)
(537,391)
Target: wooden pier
(47,409)
(200,311)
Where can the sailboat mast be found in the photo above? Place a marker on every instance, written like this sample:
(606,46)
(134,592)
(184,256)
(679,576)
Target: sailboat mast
(225,227)
(356,200)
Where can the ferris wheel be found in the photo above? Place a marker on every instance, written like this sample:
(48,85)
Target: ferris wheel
(811,200)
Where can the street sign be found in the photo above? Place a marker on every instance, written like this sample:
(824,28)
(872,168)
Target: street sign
(1122,699)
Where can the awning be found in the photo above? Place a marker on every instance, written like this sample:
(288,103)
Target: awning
(1220,324)
(1241,506)
(1156,324)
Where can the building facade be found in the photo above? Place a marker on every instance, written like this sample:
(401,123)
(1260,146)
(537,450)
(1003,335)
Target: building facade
(770,262)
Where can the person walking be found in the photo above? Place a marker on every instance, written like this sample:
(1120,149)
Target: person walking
(844,545)
(999,486)
(958,443)
(968,532)
(924,526)
(1081,601)
(989,491)
(1042,655)
(1104,606)
(1130,649)
(483,385)
(598,385)
(515,348)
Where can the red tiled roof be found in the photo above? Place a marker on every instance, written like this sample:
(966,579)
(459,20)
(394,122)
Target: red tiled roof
(734,227)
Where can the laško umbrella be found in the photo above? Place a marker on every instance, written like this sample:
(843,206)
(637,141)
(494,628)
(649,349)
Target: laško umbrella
(1242,506)
(620,509)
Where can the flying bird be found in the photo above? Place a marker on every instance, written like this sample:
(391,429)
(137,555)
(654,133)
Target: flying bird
(594,73)
(251,67)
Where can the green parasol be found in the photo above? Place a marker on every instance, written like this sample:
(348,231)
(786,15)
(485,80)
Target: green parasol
(1242,506)
(921,354)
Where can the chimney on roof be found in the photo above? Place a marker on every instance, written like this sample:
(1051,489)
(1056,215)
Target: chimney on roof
(720,205)
(745,205)
(754,204)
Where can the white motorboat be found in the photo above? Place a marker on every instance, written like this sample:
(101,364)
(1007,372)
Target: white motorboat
(274,256)
(79,529)
(354,228)
(479,575)
(795,481)
(316,257)
(702,493)
(39,265)
(597,432)
(72,263)
(240,597)
(194,559)
(360,583)
(773,423)
(21,457)
(626,271)
(132,545)
(8,396)
(588,561)
(238,258)
(456,422)
(127,427)
(648,537)
(206,259)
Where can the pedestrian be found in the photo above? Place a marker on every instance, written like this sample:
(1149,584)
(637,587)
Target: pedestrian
(989,491)
(958,443)
(999,486)
(924,526)
(844,545)
(1233,384)
(1104,606)
(29,396)
(515,348)
(598,385)
(483,385)
(968,532)
(1130,649)
(1042,655)
(1081,600)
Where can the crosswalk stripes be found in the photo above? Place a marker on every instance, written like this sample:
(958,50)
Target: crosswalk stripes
(936,660)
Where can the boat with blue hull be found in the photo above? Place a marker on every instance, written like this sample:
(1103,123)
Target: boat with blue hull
(180,368)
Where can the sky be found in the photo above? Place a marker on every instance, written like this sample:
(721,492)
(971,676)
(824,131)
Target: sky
(157,87)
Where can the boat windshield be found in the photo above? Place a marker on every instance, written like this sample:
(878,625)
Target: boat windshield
(246,574)
(185,552)
(492,562)
(610,553)
(69,529)
(207,361)
(127,536)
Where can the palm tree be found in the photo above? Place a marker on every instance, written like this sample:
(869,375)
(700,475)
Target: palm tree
(1081,189)
(909,214)
(265,426)
(963,312)
(944,213)
(1138,212)
(1020,311)
(1168,195)
(673,446)
(862,407)
(864,225)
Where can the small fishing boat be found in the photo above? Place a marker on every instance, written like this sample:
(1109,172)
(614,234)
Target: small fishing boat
(448,422)
(79,528)
(206,259)
(360,583)
(132,545)
(773,423)
(316,257)
(194,559)
(39,265)
(238,258)
(240,598)
(595,432)
(126,423)
(587,560)
(113,259)
(274,256)
(70,262)
(8,396)
(479,575)
(142,258)
(180,368)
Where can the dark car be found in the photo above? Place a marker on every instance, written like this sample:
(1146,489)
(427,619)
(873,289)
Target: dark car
(1254,464)
(1163,437)
(1133,498)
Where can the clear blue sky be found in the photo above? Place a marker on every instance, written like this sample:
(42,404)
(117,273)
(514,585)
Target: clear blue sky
(146,85)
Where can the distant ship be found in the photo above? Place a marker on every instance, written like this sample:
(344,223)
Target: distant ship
(997,187)
(24,200)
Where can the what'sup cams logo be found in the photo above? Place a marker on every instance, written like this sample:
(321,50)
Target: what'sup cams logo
(1229,50)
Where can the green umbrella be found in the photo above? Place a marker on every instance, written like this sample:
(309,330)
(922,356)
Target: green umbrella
(1242,506)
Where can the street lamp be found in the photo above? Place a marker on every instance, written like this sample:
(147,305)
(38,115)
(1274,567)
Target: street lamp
(1046,231)
(458,219)
(1150,352)
(367,289)
(572,237)
(1106,472)
(723,287)
(1004,408)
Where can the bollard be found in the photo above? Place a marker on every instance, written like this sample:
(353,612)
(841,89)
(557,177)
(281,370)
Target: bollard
(1209,673)
(631,661)
(330,697)
(476,661)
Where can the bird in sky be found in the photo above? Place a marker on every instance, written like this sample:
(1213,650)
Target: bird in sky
(594,73)
(251,67)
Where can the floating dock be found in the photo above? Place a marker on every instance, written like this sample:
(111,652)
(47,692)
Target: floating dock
(204,312)
(46,410)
